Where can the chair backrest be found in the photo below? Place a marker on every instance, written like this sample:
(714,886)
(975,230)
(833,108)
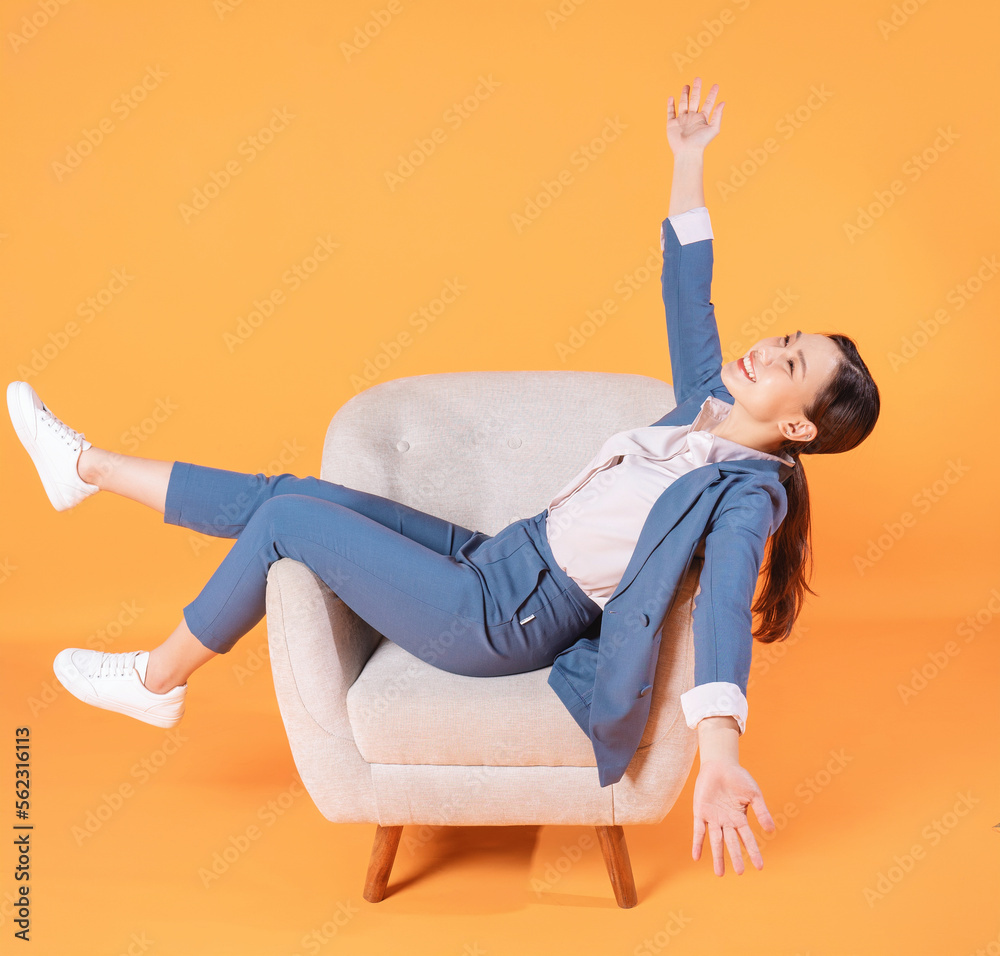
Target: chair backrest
(483,449)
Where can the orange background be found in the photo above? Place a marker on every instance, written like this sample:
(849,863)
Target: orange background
(215,75)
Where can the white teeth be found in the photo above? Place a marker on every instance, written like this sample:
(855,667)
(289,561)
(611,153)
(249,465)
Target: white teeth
(751,374)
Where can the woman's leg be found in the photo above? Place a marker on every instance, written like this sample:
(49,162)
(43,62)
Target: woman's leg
(146,480)
(142,479)
(221,502)
(429,603)
(175,660)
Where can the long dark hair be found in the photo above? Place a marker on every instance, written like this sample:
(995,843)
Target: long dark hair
(844,414)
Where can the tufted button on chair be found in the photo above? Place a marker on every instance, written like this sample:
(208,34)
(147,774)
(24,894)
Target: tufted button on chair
(373,729)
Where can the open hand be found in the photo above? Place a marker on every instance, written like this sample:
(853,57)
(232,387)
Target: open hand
(687,127)
(721,795)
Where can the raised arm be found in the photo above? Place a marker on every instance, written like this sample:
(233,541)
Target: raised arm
(686,234)
(689,131)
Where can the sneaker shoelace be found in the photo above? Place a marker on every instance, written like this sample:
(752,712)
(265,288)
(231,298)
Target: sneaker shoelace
(72,437)
(113,665)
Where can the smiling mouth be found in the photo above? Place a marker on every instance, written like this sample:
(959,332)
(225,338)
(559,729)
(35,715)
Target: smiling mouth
(748,372)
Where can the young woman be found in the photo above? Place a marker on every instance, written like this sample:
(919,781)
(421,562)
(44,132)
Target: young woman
(483,605)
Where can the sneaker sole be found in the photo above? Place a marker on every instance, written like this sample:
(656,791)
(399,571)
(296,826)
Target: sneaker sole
(17,398)
(81,691)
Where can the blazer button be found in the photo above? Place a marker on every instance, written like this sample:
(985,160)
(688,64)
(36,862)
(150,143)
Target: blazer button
(644,619)
(645,690)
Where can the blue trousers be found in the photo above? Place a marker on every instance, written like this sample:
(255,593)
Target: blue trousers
(467,602)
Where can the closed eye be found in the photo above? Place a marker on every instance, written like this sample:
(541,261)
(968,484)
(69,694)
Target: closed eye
(791,364)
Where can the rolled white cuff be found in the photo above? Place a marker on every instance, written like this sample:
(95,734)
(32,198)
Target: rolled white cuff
(715,699)
(690,226)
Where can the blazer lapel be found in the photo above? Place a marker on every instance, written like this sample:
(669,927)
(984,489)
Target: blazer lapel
(682,494)
(673,503)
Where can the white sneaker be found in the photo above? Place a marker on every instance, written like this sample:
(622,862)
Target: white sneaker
(55,448)
(115,682)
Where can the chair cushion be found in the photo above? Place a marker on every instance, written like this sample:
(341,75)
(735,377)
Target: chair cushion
(405,711)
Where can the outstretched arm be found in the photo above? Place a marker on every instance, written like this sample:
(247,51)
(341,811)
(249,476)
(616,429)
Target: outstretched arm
(689,131)
(686,239)
(722,626)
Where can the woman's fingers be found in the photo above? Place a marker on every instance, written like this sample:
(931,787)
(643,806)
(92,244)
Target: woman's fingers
(699,838)
(713,92)
(688,102)
(750,842)
(718,849)
(735,853)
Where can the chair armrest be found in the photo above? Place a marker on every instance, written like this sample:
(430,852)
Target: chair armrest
(326,645)
(662,764)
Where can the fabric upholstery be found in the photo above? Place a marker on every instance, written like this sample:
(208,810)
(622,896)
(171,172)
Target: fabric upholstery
(371,727)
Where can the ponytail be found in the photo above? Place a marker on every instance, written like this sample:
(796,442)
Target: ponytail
(844,414)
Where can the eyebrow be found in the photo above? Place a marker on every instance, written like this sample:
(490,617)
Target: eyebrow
(802,358)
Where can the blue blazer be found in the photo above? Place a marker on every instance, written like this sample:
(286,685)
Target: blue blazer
(605,678)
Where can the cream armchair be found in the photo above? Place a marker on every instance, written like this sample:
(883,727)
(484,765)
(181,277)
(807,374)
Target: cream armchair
(380,736)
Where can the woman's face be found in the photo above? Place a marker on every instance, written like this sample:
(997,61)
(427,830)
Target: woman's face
(778,377)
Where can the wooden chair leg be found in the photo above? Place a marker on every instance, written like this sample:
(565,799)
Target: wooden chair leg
(380,864)
(612,840)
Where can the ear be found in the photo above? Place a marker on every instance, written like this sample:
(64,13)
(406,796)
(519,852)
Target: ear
(800,429)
